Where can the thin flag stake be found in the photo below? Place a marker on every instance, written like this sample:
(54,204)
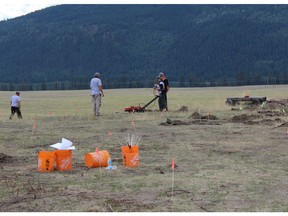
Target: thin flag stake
(35,124)
(133,124)
(118,140)
(173,173)
(34,128)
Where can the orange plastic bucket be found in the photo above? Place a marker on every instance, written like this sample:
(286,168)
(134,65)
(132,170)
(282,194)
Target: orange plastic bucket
(46,161)
(130,156)
(63,159)
(97,159)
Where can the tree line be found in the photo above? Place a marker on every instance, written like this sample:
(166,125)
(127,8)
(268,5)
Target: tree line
(60,47)
(108,84)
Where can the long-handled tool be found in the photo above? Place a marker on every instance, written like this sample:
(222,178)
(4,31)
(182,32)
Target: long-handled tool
(139,108)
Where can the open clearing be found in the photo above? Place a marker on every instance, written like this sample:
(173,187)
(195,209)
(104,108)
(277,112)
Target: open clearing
(225,159)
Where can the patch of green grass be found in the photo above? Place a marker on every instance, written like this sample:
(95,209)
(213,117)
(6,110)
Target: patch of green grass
(219,167)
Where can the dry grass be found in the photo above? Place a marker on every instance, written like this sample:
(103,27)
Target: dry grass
(219,167)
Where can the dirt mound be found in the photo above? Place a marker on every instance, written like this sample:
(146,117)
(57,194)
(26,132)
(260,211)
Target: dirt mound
(269,122)
(285,124)
(4,158)
(197,119)
(272,113)
(244,118)
(197,115)
(254,120)
(209,117)
(174,122)
(265,113)
(170,122)
(183,109)
(276,104)
(267,105)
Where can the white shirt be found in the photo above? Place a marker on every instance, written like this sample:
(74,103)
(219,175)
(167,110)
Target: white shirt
(161,87)
(15,99)
(94,85)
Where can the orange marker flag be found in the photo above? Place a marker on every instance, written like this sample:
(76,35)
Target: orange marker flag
(173,164)
(35,124)
(109,133)
(132,123)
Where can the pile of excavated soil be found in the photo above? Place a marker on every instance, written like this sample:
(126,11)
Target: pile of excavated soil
(197,115)
(281,104)
(285,124)
(254,120)
(174,122)
(183,109)
(267,110)
(4,158)
(244,118)
(272,113)
(269,122)
(276,104)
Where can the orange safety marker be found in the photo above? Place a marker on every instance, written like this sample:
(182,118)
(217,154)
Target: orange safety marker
(172,166)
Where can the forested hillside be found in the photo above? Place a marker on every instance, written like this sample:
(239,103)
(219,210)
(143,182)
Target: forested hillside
(61,47)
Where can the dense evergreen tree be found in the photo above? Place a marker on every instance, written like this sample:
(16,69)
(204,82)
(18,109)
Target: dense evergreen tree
(61,47)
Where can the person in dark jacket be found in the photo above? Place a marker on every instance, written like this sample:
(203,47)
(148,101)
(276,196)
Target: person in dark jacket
(160,87)
(166,83)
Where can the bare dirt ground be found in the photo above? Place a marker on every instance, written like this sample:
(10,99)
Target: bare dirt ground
(235,162)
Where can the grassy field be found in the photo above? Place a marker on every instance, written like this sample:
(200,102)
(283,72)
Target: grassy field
(221,165)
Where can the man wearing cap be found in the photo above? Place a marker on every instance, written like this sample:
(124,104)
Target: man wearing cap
(160,87)
(96,93)
(15,103)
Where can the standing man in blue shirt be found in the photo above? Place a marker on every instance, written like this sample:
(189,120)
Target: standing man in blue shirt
(96,93)
(15,103)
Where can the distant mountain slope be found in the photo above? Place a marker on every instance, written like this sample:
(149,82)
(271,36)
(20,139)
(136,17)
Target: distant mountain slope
(194,44)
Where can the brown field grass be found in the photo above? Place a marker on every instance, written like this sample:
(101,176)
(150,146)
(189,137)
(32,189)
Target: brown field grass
(222,165)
